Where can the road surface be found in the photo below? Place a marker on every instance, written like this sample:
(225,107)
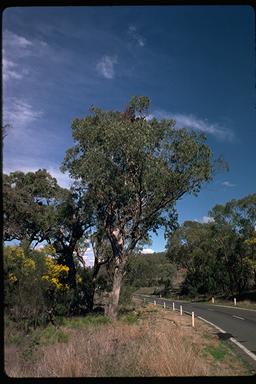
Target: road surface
(238,323)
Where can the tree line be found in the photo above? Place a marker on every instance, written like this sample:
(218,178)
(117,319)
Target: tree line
(127,174)
(219,256)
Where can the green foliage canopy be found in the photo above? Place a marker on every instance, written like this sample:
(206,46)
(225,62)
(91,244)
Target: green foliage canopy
(135,169)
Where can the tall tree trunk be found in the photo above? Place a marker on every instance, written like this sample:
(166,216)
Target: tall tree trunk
(69,261)
(111,309)
(96,269)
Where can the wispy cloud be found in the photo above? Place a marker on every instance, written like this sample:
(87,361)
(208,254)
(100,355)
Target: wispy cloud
(11,70)
(17,41)
(133,33)
(16,48)
(26,146)
(193,122)
(106,66)
(22,46)
(19,114)
(228,184)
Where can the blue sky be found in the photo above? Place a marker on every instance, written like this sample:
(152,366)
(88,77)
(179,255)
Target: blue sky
(196,63)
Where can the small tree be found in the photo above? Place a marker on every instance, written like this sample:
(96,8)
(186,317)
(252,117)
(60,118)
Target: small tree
(37,209)
(28,205)
(134,171)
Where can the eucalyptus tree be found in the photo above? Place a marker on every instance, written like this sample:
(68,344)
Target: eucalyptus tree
(240,214)
(192,247)
(219,256)
(134,170)
(236,223)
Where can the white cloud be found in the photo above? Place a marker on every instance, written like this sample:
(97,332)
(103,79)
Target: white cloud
(16,47)
(228,184)
(147,250)
(10,70)
(193,122)
(207,219)
(16,41)
(19,113)
(190,121)
(106,66)
(132,32)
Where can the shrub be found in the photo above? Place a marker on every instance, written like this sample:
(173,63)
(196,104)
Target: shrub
(34,285)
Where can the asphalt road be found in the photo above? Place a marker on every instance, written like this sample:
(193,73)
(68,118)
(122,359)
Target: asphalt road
(238,323)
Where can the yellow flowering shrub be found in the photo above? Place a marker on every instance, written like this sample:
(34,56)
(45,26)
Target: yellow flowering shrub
(17,260)
(29,264)
(54,273)
(35,284)
(21,264)
(48,249)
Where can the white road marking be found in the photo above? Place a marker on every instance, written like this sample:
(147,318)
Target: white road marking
(233,307)
(249,353)
(215,326)
(238,317)
(243,348)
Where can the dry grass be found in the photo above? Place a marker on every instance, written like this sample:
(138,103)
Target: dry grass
(160,343)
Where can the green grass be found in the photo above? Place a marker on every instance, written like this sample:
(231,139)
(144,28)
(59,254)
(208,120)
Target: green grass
(49,335)
(89,320)
(129,318)
(218,353)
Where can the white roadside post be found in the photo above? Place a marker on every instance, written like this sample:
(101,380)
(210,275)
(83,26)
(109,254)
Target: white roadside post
(213,300)
(164,305)
(193,319)
(173,306)
(154,302)
(234,301)
(181,310)
(160,295)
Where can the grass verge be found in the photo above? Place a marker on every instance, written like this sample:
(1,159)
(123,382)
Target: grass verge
(148,341)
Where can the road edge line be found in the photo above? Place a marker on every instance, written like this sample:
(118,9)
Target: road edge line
(249,353)
(234,307)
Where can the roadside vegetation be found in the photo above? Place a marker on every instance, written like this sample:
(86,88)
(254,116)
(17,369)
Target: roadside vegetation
(145,341)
